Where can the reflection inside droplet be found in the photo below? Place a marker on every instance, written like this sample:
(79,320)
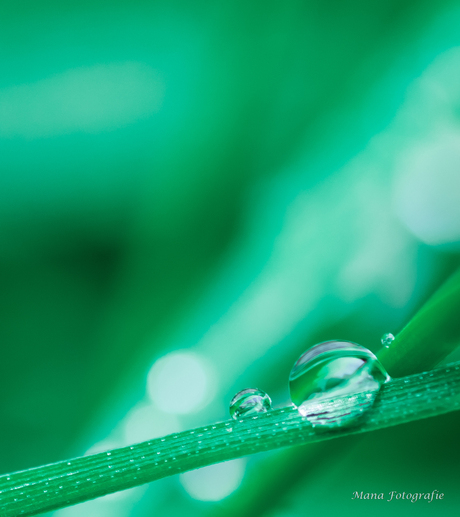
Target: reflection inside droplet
(335,382)
(248,402)
(387,339)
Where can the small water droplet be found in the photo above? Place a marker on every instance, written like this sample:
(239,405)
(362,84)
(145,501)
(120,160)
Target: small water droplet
(387,339)
(248,402)
(332,381)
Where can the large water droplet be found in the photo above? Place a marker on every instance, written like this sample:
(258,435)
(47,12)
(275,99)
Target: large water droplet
(387,339)
(335,382)
(248,402)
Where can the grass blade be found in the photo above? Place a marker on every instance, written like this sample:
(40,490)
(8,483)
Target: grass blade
(69,482)
(431,335)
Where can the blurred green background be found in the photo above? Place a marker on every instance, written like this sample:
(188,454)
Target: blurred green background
(191,194)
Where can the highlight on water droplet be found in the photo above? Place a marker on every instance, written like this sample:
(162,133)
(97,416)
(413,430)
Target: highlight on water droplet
(335,382)
(387,339)
(248,402)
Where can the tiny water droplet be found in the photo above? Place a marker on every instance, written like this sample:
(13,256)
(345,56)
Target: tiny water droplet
(387,339)
(248,402)
(333,383)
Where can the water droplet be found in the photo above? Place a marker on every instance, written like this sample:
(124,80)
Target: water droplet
(248,402)
(387,339)
(333,383)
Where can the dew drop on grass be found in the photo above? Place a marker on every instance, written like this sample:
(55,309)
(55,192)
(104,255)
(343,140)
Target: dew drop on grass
(387,339)
(335,382)
(249,402)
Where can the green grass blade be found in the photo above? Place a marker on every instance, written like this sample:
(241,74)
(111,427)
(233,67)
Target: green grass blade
(69,482)
(430,336)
